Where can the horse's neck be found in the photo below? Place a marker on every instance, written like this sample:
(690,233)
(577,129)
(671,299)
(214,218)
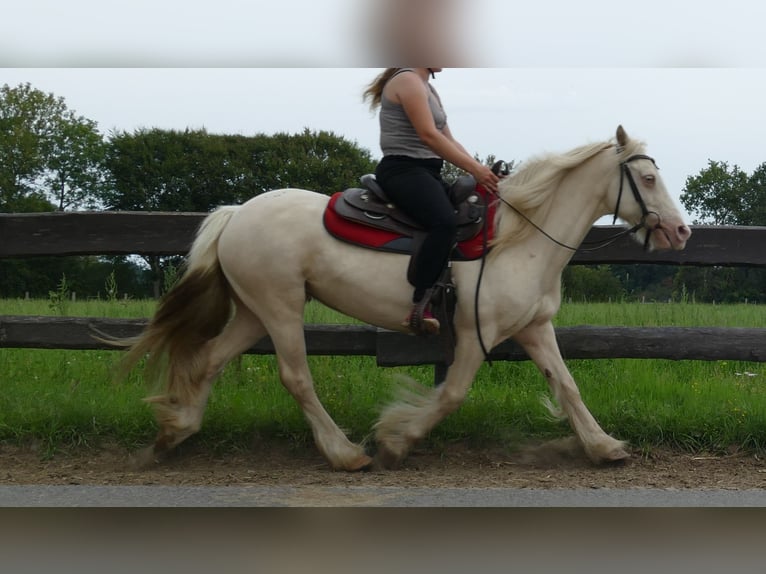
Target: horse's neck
(575,206)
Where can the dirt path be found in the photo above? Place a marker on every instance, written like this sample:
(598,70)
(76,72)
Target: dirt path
(454,466)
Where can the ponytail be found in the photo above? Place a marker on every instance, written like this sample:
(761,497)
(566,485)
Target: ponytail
(374,91)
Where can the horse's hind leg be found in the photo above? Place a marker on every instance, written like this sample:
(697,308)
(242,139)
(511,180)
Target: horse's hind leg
(180,410)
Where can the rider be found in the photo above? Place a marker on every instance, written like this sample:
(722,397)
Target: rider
(416,140)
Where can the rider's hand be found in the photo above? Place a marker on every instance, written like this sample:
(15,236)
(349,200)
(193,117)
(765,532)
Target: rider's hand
(486,177)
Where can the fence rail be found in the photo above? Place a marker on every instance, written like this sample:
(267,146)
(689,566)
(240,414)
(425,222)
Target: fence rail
(128,233)
(391,348)
(157,233)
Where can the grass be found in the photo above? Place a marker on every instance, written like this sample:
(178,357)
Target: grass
(62,399)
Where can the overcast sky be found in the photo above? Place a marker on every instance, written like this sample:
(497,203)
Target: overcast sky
(497,33)
(685,76)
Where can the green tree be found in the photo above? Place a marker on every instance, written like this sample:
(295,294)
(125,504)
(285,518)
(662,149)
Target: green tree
(754,199)
(191,170)
(47,154)
(196,171)
(717,194)
(46,151)
(646,281)
(75,169)
(159,170)
(27,117)
(723,195)
(321,161)
(590,283)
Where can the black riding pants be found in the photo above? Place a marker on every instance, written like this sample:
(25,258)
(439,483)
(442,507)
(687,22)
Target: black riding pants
(417,188)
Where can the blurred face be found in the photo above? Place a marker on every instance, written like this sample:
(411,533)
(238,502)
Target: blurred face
(419,31)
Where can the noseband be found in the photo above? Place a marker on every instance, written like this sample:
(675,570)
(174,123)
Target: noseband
(627,174)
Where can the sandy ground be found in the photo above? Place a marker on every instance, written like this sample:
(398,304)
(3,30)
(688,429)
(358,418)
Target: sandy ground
(456,465)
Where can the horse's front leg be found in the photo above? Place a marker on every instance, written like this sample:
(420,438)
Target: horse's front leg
(419,409)
(539,341)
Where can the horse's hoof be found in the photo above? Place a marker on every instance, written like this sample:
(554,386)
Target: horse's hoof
(362,463)
(617,456)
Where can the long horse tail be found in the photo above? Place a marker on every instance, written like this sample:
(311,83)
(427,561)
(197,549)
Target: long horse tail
(193,311)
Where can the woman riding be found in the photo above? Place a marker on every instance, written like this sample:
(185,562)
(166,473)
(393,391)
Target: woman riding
(416,141)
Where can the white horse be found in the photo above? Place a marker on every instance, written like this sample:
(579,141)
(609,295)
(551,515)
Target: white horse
(252,267)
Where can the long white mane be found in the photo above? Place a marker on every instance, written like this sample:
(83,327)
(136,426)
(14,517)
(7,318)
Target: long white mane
(532,188)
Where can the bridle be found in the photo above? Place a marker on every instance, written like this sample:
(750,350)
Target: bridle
(501,168)
(625,174)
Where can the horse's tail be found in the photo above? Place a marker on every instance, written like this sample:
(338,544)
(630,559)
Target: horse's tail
(195,310)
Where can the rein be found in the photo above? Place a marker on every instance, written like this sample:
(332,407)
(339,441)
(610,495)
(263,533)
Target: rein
(645,213)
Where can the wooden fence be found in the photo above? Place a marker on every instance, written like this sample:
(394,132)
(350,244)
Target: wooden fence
(128,233)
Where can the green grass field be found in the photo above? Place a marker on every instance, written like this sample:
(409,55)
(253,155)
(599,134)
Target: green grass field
(64,399)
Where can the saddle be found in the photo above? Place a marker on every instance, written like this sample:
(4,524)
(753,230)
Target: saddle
(369,206)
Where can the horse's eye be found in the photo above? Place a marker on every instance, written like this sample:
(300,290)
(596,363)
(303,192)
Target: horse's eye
(649,179)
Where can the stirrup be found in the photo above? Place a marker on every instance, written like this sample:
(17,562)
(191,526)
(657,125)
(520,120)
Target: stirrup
(420,320)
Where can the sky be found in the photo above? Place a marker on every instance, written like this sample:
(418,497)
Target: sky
(686,77)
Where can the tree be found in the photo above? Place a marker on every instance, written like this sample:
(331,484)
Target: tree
(590,283)
(646,281)
(160,170)
(26,123)
(196,171)
(321,161)
(191,170)
(75,171)
(725,196)
(46,153)
(718,194)
(46,150)
(754,199)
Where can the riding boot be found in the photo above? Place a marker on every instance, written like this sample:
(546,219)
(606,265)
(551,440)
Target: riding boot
(421,320)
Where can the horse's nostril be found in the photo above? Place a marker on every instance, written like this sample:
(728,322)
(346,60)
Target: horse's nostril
(684,232)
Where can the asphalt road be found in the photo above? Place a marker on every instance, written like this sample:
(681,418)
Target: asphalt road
(245,497)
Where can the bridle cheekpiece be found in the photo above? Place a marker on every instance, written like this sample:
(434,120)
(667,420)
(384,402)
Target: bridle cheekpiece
(627,174)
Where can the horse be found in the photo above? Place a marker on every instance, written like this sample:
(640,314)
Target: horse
(251,268)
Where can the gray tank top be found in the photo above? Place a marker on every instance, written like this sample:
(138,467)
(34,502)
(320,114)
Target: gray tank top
(398,136)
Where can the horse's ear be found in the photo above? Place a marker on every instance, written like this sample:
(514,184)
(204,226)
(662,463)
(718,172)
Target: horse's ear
(622,136)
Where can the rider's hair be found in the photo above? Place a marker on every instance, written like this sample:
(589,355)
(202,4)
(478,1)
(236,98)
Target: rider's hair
(374,91)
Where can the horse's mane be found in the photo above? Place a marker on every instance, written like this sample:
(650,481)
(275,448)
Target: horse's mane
(531,188)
